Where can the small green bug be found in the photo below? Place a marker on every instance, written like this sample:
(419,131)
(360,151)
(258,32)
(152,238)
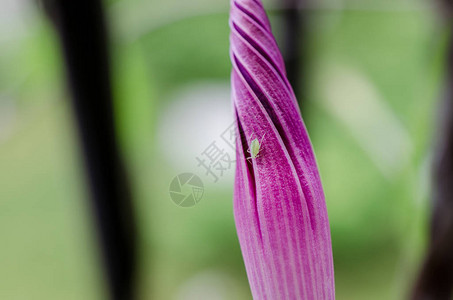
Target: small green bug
(255,147)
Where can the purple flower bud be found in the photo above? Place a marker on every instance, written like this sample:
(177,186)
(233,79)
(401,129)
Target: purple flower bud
(279,204)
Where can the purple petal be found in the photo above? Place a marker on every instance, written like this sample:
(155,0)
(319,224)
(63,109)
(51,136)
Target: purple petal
(279,205)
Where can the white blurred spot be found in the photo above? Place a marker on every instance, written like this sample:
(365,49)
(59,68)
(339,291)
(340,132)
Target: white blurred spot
(15,19)
(351,98)
(196,116)
(212,285)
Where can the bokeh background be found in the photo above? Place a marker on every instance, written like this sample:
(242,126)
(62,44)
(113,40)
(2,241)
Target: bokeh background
(373,77)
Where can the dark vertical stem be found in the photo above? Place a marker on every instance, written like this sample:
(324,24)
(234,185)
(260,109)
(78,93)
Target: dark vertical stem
(436,278)
(81,28)
(294,46)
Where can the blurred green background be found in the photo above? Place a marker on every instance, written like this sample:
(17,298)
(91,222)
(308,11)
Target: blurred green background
(374,76)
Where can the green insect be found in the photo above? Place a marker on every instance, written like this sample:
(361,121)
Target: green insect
(255,147)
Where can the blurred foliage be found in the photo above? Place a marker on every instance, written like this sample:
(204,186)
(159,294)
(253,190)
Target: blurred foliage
(378,222)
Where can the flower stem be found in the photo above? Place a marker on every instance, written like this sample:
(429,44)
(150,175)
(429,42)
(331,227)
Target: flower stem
(436,278)
(81,29)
